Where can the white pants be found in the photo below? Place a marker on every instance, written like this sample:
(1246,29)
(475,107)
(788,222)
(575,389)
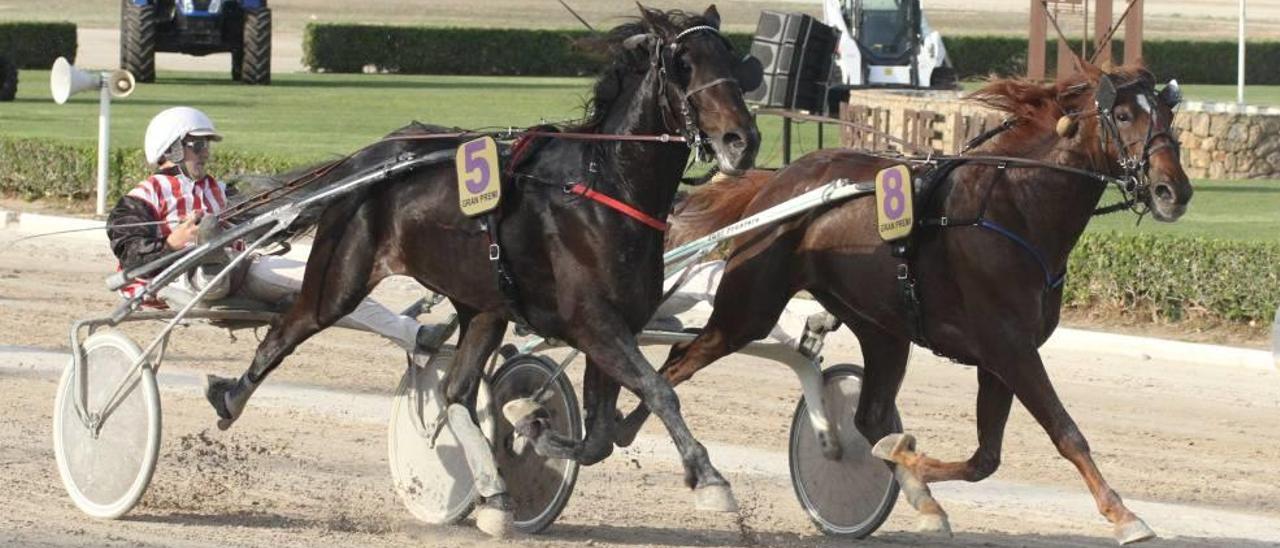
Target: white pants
(701,285)
(273,279)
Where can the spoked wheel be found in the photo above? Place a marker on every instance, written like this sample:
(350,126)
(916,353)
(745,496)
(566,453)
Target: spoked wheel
(847,497)
(106,457)
(539,486)
(428,467)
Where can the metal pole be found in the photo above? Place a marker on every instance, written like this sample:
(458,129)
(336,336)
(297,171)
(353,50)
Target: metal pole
(104,142)
(1240,61)
(786,141)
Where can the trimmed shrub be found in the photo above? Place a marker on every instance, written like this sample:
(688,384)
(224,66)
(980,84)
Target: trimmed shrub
(430,50)
(526,52)
(1177,277)
(46,169)
(33,45)
(1191,62)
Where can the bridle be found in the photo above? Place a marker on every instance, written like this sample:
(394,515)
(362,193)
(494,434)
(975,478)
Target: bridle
(1135,170)
(686,124)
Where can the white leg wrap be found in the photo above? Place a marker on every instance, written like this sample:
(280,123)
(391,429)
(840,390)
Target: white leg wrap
(479,454)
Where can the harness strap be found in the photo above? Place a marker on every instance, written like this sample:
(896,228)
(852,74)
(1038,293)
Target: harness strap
(1051,281)
(612,203)
(506,283)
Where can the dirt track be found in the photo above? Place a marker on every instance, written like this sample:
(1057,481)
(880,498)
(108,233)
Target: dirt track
(1190,447)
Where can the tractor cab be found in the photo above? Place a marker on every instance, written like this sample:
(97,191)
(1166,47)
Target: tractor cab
(888,43)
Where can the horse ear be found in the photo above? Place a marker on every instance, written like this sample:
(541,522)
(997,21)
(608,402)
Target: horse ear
(712,15)
(632,42)
(647,14)
(1093,72)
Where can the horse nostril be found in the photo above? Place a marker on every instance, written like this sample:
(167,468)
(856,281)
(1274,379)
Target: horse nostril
(734,142)
(1163,192)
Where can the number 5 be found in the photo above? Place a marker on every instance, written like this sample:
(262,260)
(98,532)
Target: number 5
(474,163)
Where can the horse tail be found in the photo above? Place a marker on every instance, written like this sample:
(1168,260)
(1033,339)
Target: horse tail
(716,205)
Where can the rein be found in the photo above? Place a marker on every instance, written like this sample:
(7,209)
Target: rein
(616,205)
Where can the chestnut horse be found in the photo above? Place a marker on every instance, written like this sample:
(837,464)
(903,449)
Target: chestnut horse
(575,269)
(985,266)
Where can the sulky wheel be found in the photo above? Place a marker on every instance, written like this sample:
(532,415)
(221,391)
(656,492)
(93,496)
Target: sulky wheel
(107,457)
(847,497)
(428,467)
(539,486)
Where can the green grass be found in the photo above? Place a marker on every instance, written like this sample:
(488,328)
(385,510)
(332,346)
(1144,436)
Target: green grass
(312,116)
(1247,210)
(1253,95)
(303,116)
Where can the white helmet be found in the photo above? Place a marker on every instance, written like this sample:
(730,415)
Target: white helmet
(174,124)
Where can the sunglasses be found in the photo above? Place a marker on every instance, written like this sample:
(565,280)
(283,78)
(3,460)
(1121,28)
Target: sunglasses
(198,145)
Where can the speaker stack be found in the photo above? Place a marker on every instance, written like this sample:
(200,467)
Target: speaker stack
(797,52)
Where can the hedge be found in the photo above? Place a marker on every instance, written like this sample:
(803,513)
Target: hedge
(37,45)
(1191,62)
(1177,277)
(524,52)
(432,50)
(56,170)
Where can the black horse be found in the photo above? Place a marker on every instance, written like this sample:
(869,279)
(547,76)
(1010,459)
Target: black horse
(578,270)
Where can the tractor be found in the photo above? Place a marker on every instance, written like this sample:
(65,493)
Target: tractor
(888,43)
(197,27)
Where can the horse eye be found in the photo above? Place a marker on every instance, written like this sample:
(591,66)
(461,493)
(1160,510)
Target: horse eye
(683,65)
(1123,116)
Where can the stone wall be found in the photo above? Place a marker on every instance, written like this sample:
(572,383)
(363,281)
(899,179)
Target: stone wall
(1219,141)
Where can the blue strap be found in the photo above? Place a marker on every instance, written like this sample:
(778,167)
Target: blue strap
(1053,282)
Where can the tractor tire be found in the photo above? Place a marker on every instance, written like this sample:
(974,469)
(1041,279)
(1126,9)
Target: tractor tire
(237,65)
(8,79)
(255,67)
(138,40)
(944,78)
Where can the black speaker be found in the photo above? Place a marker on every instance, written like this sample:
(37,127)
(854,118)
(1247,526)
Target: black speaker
(797,52)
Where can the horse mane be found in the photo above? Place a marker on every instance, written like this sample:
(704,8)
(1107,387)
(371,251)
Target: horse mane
(1036,107)
(714,206)
(623,61)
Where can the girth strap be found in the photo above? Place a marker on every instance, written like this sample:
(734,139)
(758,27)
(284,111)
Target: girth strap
(506,283)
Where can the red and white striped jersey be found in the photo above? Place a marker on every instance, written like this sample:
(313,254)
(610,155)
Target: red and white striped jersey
(173,196)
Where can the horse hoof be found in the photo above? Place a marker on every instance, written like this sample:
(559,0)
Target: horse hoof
(216,389)
(893,445)
(934,524)
(494,522)
(1133,531)
(715,498)
(519,408)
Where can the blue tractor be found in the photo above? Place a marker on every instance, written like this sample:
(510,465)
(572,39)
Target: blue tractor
(197,27)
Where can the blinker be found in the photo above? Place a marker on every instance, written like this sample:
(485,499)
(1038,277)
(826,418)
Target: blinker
(1106,95)
(749,73)
(1171,94)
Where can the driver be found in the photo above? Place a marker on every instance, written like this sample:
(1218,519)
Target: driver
(163,214)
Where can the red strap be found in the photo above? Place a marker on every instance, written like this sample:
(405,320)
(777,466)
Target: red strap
(582,190)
